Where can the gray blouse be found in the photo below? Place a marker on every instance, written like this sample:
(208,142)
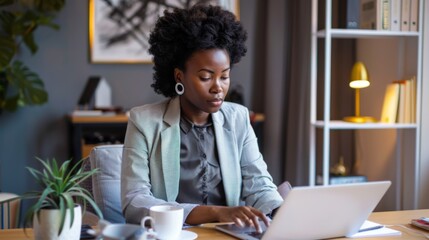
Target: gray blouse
(200,176)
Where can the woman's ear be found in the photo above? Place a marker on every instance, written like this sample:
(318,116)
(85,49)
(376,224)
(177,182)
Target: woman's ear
(178,75)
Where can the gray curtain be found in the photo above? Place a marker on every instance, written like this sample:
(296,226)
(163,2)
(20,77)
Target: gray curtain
(287,91)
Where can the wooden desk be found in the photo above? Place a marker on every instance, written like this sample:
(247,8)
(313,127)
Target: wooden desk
(400,220)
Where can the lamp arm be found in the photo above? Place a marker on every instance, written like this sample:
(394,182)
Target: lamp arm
(357,102)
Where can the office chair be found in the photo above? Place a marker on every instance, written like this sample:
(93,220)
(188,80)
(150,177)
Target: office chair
(106,186)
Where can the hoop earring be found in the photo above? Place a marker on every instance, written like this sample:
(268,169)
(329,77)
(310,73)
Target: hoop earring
(180,89)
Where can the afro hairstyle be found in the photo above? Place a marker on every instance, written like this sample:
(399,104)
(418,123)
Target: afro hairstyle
(181,32)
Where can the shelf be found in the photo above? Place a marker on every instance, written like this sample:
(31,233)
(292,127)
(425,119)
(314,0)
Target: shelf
(364,33)
(338,124)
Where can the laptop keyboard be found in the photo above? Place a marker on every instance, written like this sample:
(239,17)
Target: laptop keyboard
(255,234)
(242,232)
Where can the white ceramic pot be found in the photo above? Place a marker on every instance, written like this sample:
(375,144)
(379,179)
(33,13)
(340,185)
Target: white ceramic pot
(48,227)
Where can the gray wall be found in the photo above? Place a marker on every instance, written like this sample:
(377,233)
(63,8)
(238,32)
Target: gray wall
(62,61)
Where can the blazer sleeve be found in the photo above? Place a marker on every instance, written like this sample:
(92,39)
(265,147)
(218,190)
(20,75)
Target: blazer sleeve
(258,188)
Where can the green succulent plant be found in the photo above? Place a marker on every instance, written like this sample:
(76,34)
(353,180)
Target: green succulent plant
(61,190)
(19,19)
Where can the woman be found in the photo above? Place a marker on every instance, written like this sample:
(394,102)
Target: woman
(194,149)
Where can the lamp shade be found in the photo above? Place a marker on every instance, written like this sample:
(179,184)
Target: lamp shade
(359,76)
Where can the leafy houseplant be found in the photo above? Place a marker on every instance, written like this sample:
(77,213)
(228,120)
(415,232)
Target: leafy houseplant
(19,19)
(60,190)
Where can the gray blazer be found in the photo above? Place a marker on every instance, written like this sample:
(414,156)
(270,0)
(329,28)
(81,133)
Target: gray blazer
(151,160)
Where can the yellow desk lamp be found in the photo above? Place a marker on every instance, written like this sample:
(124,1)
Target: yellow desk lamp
(359,79)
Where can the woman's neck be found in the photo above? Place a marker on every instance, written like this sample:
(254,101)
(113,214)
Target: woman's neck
(197,118)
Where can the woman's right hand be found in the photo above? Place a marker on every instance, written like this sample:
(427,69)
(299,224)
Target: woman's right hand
(242,216)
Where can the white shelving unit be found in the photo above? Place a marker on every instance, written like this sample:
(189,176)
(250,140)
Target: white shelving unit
(326,124)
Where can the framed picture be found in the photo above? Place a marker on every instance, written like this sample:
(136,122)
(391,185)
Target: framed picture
(119,29)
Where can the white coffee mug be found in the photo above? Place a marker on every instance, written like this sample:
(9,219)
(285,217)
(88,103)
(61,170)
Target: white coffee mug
(166,220)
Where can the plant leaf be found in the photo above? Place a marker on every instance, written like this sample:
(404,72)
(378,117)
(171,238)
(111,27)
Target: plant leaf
(30,43)
(7,51)
(61,190)
(6,2)
(25,87)
(62,216)
(70,206)
(49,5)
(88,198)
(7,20)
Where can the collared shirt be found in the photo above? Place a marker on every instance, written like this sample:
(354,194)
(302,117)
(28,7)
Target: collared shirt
(200,176)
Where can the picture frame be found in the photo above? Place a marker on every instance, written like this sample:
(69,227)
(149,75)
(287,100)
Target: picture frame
(119,30)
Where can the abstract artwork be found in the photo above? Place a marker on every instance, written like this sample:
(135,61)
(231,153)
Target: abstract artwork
(119,29)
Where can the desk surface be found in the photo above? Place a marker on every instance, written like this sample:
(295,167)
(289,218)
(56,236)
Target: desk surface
(398,220)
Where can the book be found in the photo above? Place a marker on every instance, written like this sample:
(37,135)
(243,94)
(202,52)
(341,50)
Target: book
(369,14)
(401,115)
(414,14)
(400,102)
(422,222)
(413,98)
(336,179)
(390,103)
(407,101)
(375,14)
(385,15)
(352,14)
(405,15)
(395,15)
(87,113)
(347,179)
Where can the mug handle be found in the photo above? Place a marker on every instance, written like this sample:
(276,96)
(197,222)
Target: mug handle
(149,233)
(145,219)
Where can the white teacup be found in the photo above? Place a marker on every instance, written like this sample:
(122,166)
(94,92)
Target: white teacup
(166,220)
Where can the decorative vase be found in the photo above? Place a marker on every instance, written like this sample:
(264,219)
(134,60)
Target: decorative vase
(49,225)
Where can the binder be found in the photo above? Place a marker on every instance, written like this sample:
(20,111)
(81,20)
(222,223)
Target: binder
(405,15)
(414,14)
(395,15)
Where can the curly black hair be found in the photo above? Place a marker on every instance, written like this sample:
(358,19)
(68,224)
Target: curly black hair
(180,33)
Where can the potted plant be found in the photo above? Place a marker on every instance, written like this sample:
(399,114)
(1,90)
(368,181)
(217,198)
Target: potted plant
(19,19)
(55,213)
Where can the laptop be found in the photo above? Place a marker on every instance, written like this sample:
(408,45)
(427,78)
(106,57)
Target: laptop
(318,212)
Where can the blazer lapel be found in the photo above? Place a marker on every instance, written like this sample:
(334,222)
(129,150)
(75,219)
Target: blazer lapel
(170,149)
(230,168)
